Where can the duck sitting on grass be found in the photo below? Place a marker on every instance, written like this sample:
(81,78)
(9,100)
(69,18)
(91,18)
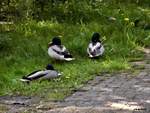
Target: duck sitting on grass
(95,47)
(58,51)
(48,73)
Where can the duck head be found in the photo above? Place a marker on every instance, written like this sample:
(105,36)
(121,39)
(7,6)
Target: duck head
(95,38)
(56,41)
(49,67)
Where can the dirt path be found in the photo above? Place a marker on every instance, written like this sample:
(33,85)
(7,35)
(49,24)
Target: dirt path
(121,93)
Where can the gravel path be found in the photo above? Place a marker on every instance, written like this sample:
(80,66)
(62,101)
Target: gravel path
(119,93)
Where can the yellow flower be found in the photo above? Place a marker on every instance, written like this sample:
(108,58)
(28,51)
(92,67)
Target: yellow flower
(126,19)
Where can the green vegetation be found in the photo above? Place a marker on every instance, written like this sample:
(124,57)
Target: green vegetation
(23,46)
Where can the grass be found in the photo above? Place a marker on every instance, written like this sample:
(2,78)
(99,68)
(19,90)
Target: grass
(25,49)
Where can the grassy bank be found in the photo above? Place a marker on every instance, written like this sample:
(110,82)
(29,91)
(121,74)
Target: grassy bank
(24,49)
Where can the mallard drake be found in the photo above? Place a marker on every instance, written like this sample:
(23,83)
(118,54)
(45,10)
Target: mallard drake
(95,47)
(48,73)
(58,51)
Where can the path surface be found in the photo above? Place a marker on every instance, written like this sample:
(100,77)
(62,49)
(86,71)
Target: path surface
(119,93)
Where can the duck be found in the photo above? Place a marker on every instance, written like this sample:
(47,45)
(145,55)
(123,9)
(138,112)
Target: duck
(95,47)
(46,74)
(58,51)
